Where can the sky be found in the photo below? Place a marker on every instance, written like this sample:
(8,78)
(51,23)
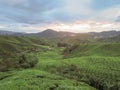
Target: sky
(62,15)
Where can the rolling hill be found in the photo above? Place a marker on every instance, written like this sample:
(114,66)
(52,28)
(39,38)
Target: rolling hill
(37,63)
(98,49)
(21,43)
(49,33)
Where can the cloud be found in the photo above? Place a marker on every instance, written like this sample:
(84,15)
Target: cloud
(78,6)
(37,15)
(104,4)
(46,11)
(108,15)
(28,11)
(118,19)
(98,10)
(3,26)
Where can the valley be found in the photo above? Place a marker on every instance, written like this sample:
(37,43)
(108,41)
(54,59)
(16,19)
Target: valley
(33,63)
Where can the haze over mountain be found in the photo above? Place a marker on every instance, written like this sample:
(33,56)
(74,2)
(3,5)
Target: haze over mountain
(2,32)
(104,34)
(49,33)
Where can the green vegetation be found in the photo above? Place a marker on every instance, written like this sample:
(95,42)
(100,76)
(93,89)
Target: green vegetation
(16,61)
(39,80)
(31,63)
(17,52)
(98,49)
(94,64)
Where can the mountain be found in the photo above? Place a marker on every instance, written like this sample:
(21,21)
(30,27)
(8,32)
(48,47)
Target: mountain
(116,37)
(2,32)
(105,34)
(49,33)
(110,39)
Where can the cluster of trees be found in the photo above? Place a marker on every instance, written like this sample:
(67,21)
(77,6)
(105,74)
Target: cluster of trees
(61,44)
(10,61)
(69,49)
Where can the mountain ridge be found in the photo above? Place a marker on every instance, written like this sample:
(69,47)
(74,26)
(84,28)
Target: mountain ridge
(49,33)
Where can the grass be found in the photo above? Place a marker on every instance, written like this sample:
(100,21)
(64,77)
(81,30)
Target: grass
(39,80)
(34,78)
(98,49)
(103,70)
(87,65)
(15,44)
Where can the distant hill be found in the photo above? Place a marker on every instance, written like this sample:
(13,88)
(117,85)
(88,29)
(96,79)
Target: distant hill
(49,33)
(110,39)
(116,37)
(17,43)
(2,32)
(103,49)
(105,34)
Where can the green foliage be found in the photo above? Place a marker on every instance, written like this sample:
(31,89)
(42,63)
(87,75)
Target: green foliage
(38,80)
(98,49)
(96,64)
(15,52)
(28,61)
(61,44)
(17,61)
(21,43)
(69,49)
(101,72)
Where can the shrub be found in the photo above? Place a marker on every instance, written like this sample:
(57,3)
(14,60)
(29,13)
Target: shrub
(69,49)
(62,44)
(28,61)
(16,61)
(7,64)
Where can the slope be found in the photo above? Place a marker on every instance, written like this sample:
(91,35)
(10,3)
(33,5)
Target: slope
(98,49)
(38,80)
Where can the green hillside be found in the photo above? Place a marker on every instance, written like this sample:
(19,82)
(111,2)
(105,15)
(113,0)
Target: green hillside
(14,43)
(32,63)
(101,72)
(19,63)
(16,52)
(38,80)
(99,49)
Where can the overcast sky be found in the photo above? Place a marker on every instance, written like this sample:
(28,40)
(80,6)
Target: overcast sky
(62,15)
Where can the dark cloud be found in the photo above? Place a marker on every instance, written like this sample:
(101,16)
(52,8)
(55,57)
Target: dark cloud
(29,11)
(103,4)
(47,11)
